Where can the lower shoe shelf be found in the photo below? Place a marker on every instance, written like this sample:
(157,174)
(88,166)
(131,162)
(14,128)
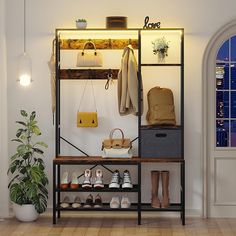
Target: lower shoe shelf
(134,207)
(105,207)
(105,189)
(171,207)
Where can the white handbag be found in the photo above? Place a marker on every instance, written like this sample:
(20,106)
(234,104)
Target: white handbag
(116,148)
(89,58)
(117,153)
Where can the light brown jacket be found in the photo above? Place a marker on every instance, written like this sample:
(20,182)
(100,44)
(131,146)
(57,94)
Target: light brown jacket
(128,83)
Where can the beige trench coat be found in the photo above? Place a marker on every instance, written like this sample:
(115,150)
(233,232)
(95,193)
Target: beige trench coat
(128,83)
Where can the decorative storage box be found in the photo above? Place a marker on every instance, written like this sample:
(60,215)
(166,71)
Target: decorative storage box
(158,142)
(116,22)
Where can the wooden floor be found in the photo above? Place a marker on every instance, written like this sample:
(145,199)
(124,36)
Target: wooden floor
(104,225)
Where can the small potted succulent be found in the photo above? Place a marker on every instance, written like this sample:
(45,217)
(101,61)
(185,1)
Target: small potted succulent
(160,48)
(81,24)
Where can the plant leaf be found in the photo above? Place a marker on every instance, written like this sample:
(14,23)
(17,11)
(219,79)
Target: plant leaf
(17,140)
(14,157)
(19,132)
(36,130)
(41,144)
(36,174)
(21,122)
(32,116)
(38,150)
(10,183)
(23,113)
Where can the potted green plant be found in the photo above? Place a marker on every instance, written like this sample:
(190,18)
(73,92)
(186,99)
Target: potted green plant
(28,184)
(81,24)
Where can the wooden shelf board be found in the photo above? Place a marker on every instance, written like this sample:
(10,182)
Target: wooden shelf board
(78,44)
(77,74)
(94,160)
(117,161)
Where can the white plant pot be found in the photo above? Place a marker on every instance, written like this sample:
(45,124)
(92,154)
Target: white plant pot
(81,25)
(25,213)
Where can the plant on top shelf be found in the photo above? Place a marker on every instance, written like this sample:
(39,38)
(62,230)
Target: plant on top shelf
(160,48)
(81,20)
(81,23)
(29,181)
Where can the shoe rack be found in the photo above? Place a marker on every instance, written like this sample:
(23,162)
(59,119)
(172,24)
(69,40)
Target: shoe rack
(145,132)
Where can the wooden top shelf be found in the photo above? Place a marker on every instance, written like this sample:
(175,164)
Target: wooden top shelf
(100,43)
(113,161)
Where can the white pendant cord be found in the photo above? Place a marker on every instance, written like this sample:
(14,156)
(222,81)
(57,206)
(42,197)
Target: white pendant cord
(24,26)
(25,65)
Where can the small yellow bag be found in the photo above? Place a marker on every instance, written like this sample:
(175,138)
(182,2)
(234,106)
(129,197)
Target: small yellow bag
(87,119)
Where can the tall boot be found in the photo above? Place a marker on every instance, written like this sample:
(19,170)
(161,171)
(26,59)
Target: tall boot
(155,184)
(165,188)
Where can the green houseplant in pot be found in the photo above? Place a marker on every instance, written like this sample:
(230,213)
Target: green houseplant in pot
(28,184)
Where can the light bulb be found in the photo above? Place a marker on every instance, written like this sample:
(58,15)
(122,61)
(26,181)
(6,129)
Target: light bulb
(25,80)
(24,73)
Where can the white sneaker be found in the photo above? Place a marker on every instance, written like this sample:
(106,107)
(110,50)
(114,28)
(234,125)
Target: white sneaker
(115,202)
(125,202)
(115,180)
(127,180)
(87,179)
(98,179)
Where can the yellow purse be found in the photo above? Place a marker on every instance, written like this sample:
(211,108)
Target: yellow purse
(87,119)
(84,118)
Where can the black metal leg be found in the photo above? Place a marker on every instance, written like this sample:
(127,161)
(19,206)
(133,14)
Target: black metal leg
(139,194)
(58,193)
(54,194)
(183,192)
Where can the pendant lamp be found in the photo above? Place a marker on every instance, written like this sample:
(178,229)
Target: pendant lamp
(24,69)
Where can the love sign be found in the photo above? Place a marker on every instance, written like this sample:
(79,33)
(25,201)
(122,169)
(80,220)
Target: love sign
(148,25)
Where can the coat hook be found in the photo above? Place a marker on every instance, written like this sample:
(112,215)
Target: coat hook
(110,73)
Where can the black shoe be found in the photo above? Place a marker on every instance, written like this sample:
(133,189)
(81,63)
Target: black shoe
(98,201)
(89,201)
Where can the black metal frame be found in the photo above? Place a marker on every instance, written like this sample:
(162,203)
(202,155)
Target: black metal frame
(139,207)
(181,205)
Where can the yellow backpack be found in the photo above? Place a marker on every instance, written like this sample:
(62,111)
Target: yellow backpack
(161,109)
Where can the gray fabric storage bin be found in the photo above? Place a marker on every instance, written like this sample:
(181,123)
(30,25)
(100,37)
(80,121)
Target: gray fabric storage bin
(161,142)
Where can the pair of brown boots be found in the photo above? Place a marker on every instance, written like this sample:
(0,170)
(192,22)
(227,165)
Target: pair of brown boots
(155,176)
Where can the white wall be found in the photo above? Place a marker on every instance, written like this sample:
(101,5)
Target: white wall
(4,212)
(201,19)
